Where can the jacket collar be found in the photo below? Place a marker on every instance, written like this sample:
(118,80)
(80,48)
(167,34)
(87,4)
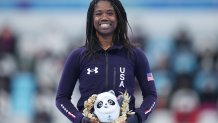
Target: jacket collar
(113,47)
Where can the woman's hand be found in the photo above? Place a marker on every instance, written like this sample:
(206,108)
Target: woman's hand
(132,119)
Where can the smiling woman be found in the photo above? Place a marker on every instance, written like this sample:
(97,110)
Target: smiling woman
(115,15)
(105,21)
(106,62)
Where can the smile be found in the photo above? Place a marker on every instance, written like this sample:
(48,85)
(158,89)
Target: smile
(105,25)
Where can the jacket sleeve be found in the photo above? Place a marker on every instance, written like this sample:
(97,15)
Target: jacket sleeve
(66,86)
(147,85)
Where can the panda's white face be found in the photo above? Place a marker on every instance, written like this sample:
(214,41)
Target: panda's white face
(106,107)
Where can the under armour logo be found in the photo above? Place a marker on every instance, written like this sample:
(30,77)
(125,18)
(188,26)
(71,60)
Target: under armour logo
(92,70)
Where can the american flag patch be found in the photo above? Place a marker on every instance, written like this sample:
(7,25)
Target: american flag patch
(150,77)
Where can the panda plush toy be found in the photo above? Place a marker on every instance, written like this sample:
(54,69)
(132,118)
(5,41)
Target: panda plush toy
(106,107)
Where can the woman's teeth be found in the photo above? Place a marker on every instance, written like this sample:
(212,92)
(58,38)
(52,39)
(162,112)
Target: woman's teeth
(105,25)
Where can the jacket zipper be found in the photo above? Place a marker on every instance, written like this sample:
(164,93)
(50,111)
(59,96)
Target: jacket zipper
(114,80)
(106,78)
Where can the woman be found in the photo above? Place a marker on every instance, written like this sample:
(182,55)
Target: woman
(107,62)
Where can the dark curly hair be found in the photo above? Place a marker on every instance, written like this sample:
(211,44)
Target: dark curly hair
(120,36)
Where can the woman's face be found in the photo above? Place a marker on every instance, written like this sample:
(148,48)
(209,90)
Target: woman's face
(104,18)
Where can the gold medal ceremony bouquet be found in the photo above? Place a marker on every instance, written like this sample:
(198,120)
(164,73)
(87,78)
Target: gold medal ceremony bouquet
(107,108)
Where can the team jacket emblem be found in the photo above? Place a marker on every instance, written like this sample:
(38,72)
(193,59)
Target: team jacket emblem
(89,70)
(122,76)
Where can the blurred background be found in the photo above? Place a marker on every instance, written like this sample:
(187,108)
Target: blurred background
(179,37)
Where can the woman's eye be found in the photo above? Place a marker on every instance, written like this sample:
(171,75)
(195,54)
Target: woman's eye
(110,13)
(97,14)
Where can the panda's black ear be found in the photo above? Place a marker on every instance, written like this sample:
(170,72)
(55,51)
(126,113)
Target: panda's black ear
(111,91)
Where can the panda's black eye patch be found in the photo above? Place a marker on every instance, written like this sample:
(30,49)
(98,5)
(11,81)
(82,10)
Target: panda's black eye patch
(111,102)
(100,104)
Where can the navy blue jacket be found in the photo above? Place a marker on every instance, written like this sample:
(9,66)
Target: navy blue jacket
(113,69)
